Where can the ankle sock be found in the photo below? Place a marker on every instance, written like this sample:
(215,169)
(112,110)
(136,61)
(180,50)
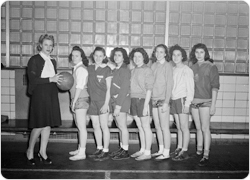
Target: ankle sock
(165,152)
(105,150)
(100,147)
(147,152)
(125,147)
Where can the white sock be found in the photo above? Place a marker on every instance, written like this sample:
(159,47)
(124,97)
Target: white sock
(165,152)
(142,150)
(120,144)
(99,147)
(179,147)
(82,150)
(125,147)
(184,149)
(105,150)
(147,152)
(161,147)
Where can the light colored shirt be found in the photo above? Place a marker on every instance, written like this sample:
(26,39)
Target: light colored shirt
(48,69)
(81,76)
(183,84)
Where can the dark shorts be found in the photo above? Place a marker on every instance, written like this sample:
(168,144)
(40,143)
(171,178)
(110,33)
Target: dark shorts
(158,103)
(95,107)
(199,105)
(125,107)
(177,106)
(137,105)
(82,103)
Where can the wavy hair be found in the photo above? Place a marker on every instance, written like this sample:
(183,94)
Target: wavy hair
(199,46)
(177,47)
(124,54)
(42,38)
(153,57)
(85,60)
(142,51)
(105,61)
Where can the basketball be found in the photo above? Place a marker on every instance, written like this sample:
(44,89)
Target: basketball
(67,81)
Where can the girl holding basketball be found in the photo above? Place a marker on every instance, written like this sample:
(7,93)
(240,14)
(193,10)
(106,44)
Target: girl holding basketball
(79,99)
(99,83)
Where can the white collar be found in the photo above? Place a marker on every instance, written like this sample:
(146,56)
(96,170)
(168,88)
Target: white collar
(44,56)
(78,64)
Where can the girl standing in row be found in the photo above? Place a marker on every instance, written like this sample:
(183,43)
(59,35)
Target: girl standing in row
(206,78)
(99,83)
(163,83)
(79,99)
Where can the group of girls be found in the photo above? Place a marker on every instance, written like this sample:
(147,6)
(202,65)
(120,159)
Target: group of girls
(166,86)
(158,90)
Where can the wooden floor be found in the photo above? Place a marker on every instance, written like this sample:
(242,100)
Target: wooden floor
(227,161)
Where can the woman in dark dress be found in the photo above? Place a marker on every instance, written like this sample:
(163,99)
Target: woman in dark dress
(44,104)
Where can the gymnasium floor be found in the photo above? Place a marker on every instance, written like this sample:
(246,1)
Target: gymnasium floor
(227,161)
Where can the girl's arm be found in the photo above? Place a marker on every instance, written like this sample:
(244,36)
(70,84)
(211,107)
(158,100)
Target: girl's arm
(146,107)
(214,98)
(189,76)
(105,107)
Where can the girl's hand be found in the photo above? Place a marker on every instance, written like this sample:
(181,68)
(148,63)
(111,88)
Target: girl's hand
(164,107)
(117,112)
(104,109)
(56,78)
(186,109)
(212,110)
(73,106)
(145,111)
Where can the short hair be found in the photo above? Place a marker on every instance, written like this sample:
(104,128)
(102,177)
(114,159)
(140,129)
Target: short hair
(42,38)
(153,57)
(104,53)
(143,52)
(85,60)
(124,54)
(199,46)
(177,47)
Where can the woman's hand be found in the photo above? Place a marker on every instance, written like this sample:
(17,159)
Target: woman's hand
(104,109)
(186,109)
(212,110)
(117,112)
(145,111)
(56,78)
(164,107)
(72,106)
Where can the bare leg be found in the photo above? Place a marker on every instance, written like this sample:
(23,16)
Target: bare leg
(164,123)
(157,126)
(122,124)
(179,132)
(141,132)
(44,141)
(35,133)
(185,130)
(145,121)
(97,129)
(197,122)
(103,120)
(81,125)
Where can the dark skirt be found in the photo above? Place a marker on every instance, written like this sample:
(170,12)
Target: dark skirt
(44,106)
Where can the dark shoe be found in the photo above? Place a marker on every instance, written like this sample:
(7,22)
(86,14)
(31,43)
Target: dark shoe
(203,162)
(115,153)
(123,155)
(175,153)
(31,161)
(183,155)
(102,157)
(96,153)
(45,161)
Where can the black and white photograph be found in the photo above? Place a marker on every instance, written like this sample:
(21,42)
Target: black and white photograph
(125,89)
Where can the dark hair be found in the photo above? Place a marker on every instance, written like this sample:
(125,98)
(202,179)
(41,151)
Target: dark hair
(104,53)
(200,46)
(124,54)
(42,38)
(153,57)
(85,60)
(177,47)
(143,52)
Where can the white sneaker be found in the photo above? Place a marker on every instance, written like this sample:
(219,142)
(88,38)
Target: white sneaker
(78,157)
(156,154)
(162,157)
(75,152)
(143,157)
(137,154)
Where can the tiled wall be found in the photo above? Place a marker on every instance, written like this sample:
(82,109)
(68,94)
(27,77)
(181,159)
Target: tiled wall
(8,93)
